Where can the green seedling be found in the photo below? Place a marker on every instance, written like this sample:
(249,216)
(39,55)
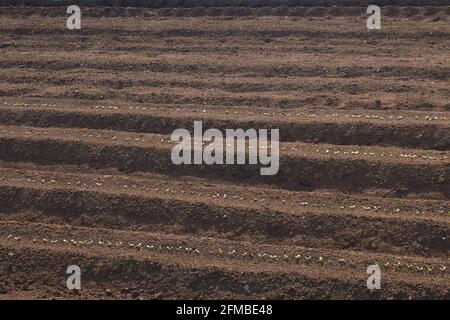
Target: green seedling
(322,260)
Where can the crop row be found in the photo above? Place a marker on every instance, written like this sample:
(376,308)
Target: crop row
(309,259)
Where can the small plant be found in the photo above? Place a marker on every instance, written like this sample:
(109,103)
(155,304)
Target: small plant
(321,261)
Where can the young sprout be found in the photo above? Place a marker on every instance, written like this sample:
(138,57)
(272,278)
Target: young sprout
(321,260)
(429,269)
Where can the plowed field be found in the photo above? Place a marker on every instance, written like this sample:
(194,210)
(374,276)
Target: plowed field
(86,176)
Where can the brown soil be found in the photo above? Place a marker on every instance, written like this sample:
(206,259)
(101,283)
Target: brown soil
(86,176)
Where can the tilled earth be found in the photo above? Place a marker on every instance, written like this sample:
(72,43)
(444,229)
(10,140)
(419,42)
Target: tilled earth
(86,176)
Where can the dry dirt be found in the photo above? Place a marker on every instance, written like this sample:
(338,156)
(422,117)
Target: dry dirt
(86,176)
